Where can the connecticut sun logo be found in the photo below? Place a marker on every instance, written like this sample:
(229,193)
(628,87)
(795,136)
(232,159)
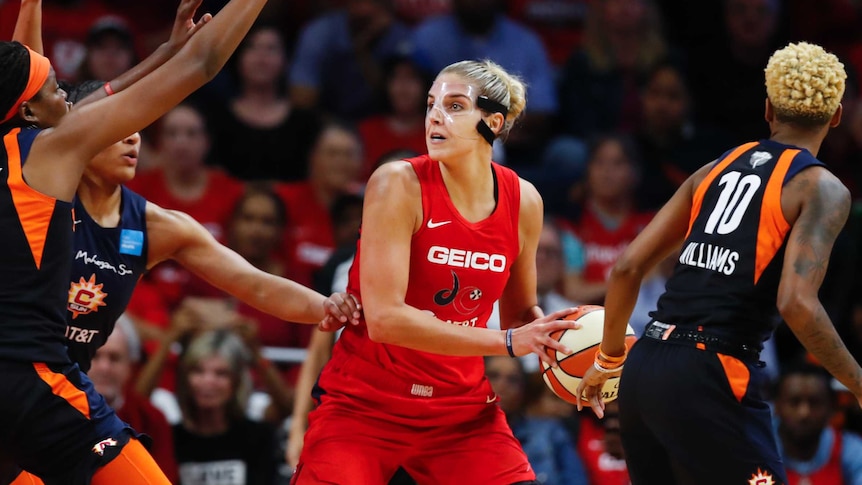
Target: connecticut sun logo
(761,478)
(85,297)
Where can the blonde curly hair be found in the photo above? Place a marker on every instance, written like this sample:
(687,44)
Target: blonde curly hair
(805,84)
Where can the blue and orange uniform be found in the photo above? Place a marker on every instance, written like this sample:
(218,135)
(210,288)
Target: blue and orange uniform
(383,406)
(52,421)
(709,327)
(107,264)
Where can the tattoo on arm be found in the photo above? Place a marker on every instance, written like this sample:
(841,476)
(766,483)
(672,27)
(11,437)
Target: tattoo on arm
(818,227)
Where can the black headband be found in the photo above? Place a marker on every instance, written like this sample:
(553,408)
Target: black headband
(486,104)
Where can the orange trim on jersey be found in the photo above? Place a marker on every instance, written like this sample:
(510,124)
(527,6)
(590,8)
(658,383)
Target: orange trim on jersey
(737,374)
(61,387)
(134,465)
(25,478)
(699,194)
(773,226)
(34,209)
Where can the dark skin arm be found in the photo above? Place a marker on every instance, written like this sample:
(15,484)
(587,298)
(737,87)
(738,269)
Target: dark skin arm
(662,235)
(822,204)
(28,27)
(59,155)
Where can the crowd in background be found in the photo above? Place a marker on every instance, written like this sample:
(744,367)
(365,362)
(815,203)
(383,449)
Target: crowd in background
(626,98)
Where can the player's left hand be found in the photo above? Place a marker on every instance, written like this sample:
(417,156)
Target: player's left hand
(590,389)
(341,309)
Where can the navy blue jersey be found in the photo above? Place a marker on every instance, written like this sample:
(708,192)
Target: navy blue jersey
(35,258)
(726,279)
(108,261)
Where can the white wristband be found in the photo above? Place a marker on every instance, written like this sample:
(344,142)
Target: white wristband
(606,371)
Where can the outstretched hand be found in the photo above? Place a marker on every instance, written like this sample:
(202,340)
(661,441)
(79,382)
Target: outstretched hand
(184,23)
(340,309)
(535,336)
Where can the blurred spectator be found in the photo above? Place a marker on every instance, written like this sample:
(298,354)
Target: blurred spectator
(605,221)
(814,453)
(413,12)
(337,62)
(183,182)
(601,82)
(260,134)
(216,443)
(833,24)
(65,24)
(110,50)
(550,269)
(548,446)
(726,76)
(346,216)
(336,160)
(402,125)
(559,23)
(600,446)
(112,371)
(672,146)
(479,29)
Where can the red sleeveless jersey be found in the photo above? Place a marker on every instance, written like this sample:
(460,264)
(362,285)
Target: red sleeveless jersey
(458,269)
(830,473)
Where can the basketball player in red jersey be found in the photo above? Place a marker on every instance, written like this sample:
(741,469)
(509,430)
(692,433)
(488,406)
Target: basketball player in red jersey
(443,236)
(52,422)
(756,229)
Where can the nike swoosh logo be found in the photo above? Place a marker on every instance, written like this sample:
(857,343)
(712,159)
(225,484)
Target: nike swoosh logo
(490,399)
(432,224)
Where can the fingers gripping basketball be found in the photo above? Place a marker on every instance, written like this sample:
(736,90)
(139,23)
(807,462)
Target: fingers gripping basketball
(584,342)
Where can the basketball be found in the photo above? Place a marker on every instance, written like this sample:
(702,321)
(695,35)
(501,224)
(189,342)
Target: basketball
(584,343)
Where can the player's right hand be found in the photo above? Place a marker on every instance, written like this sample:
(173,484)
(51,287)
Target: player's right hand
(534,337)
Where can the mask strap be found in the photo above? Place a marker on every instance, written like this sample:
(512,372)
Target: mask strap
(486,104)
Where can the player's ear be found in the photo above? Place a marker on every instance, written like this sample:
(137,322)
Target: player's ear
(26,113)
(836,117)
(769,112)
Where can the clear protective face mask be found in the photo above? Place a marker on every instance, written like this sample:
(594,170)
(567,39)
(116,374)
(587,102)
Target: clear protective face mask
(451,100)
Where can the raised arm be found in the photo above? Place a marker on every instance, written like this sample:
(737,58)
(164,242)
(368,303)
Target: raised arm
(175,235)
(825,205)
(59,155)
(184,28)
(28,27)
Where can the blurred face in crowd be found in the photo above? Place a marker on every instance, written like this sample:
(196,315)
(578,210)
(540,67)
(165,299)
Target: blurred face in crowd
(665,102)
(116,164)
(183,138)
(610,173)
(336,160)
(211,383)
(751,23)
(109,58)
(622,15)
(803,406)
(507,381)
(111,367)
(406,89)
(256,227)
(263,58)
(549,260)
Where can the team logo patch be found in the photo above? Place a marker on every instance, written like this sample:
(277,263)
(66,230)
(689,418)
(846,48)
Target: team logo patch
(86,296)
(99,448)
(759,158)
(761,478)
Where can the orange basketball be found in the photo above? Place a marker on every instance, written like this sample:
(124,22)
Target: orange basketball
(584,342)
